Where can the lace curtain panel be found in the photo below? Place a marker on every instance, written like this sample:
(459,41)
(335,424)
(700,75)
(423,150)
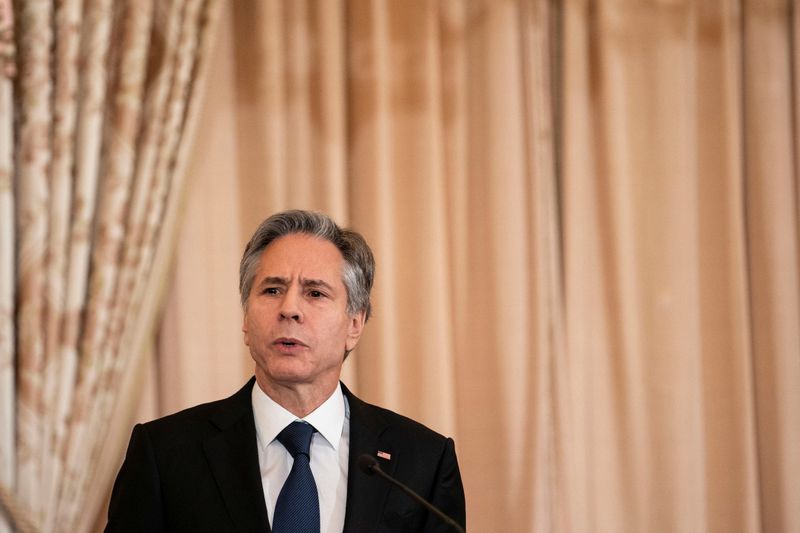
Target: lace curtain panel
(96,102)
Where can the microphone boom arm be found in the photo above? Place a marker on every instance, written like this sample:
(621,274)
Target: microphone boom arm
(370,466)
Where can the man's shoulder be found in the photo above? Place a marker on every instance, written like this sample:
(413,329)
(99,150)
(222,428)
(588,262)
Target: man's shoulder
(392,422)
(200,419)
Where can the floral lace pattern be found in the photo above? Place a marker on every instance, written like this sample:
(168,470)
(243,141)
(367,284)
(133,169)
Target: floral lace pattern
(93,134)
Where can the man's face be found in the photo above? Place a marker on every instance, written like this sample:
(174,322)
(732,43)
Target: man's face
(296,322)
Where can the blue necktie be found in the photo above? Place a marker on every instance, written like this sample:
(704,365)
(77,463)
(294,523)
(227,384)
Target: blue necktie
(297,509)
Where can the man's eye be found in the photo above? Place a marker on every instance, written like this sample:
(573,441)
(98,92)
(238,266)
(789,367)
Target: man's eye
(315,294)
(271,290)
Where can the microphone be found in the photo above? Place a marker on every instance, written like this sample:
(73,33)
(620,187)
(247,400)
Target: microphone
(369,465)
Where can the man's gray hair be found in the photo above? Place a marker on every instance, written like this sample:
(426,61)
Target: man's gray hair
(359,264)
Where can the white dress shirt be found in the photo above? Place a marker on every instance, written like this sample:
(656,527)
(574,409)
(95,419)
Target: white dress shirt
(330,448)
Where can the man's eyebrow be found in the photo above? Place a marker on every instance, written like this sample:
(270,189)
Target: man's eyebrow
(273,280)
(310,282)
(305,282)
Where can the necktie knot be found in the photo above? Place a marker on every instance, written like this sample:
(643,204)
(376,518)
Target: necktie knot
(296,438)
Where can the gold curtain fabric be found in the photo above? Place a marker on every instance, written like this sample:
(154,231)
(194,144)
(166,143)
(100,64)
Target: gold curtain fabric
(96,110)
(585,217)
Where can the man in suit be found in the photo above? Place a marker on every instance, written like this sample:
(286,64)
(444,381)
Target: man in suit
(280,454)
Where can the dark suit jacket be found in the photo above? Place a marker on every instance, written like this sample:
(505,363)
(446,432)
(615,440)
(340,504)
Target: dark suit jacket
(198,470)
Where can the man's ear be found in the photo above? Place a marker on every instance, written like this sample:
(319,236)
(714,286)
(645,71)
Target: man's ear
(355,329)
(244,329)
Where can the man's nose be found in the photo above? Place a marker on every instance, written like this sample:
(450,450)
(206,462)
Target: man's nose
(290,306)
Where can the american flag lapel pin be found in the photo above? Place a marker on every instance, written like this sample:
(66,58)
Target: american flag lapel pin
(385,455)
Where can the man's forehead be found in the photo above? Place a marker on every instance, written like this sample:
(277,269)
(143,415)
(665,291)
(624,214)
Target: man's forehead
(301,256)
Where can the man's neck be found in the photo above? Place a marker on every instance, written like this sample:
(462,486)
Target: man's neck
(300,399)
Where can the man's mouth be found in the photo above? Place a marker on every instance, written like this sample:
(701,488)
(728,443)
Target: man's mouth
(288,342)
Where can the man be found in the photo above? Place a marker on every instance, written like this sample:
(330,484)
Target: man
(281,453)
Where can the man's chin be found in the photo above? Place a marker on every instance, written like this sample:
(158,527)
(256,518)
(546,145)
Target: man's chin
(287,373)
(284,376)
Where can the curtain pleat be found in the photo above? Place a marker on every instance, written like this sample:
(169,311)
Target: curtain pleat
(36,39)
(539,75)
(67,49)
(7,258)
(773,253)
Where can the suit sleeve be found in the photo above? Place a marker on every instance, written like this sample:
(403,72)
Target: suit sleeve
(136,497)
(448,492)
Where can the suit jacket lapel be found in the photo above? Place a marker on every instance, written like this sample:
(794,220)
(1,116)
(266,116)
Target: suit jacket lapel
(233,456)
(366,495)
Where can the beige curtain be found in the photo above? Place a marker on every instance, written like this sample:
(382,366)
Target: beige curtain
(681,266)
(94,129)
(585,217)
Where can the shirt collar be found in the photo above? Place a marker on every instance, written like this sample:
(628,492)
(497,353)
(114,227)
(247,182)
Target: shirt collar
(271,417)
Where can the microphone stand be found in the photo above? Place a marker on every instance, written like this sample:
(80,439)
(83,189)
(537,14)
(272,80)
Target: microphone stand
(370,466)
